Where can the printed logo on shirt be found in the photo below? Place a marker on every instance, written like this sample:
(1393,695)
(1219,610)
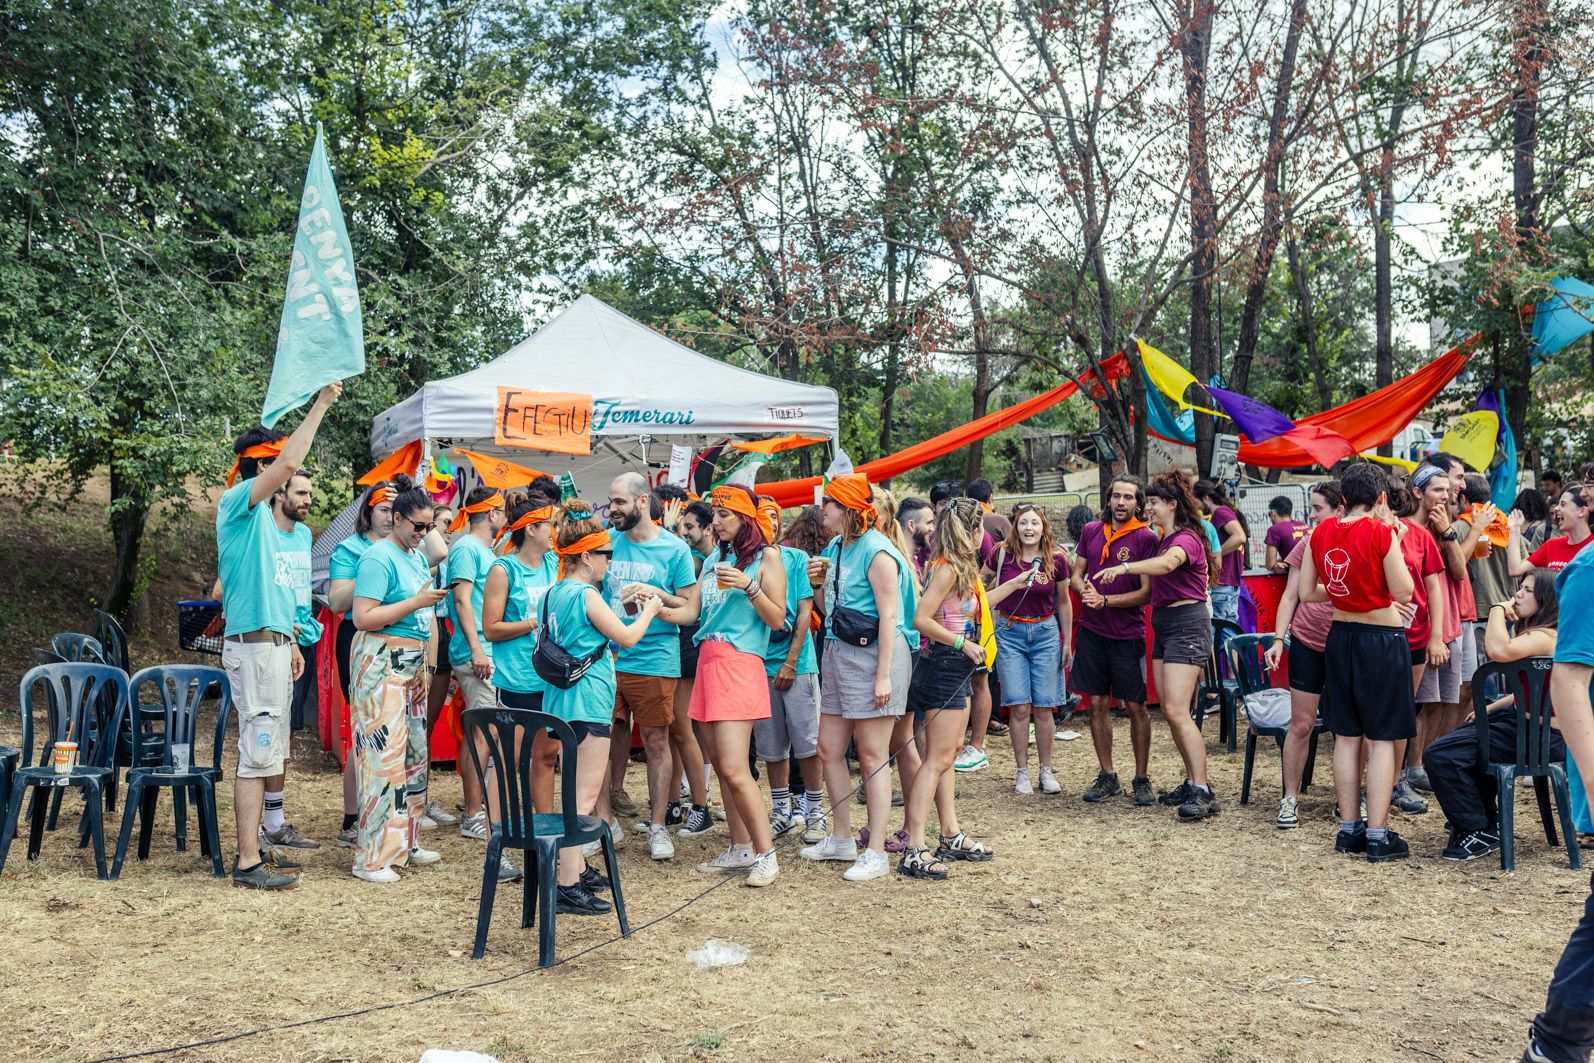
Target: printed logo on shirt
(1336,566)
(293,573)
(1122,554)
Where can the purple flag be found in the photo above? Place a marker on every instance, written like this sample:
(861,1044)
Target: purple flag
(1256,419)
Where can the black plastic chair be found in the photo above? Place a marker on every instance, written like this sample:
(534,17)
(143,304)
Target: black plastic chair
(112,638)
(1250,672)
(1218,692)
(1529,682)
(76,693)
(539,836)
(180,688)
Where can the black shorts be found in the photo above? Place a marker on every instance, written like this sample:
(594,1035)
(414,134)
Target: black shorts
(1105,667)
(1181,634)
(942,679)
(1306,668)
(515,699)
(345,646)
(1419,655)
(1367,694)
(688,652)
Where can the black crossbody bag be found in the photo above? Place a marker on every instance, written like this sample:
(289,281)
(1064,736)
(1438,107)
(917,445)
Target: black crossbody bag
(849,625)
(555,664)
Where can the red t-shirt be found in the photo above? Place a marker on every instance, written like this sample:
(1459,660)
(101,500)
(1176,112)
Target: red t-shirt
(1557,553)
(1423,559)
(1350,563)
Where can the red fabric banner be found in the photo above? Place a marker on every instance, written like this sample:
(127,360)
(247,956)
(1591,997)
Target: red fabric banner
(801,492)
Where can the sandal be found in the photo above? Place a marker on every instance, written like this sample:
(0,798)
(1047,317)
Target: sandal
(997,728)
(918,863)
(960,847)
(896,843)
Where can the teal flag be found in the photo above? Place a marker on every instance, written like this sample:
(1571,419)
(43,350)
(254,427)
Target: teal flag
(320,339)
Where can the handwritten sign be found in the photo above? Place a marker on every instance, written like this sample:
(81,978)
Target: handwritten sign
(557,421)
(680,464)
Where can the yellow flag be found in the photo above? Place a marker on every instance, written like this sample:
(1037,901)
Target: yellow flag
(1471,438)
(1399,463)
(1170,378)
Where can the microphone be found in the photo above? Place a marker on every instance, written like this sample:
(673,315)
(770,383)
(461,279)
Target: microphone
(1034,570)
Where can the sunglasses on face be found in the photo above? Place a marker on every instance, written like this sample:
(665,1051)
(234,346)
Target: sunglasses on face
(605,554)
(418,526)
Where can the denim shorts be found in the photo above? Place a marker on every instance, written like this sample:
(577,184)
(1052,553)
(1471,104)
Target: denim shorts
(1029,662)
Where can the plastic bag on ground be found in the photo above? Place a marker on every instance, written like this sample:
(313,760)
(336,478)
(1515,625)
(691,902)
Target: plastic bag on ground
(717,953)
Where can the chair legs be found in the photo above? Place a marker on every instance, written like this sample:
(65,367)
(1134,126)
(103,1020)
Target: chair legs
(95,797)
(1563,805)
(210,839)
(141,802)
(1250,762)
(1311,761)
(484,911)
(146,819)
(132,808)
(547,856)
(1505,784)
(180,814)
(1541,790)
(8,826)
(613,868)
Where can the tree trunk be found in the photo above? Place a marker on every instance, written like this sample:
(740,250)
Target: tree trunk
(1530,238)
(1195,38)
(129,511)
(1383,284)
(1307,313)
(982,375)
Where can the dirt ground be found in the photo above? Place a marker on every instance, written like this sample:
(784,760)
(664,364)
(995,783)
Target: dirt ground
(1098,932)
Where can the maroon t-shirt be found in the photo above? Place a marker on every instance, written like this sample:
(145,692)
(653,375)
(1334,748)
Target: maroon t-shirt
(1283,536)
(1232,567)
(1138,545)
(1039,600)
(1188,582)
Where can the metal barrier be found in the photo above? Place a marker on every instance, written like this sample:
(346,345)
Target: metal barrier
(1255,496)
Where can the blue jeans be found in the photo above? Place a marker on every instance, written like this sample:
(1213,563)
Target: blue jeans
(1564,1031)
(1029,662)
(1225,603)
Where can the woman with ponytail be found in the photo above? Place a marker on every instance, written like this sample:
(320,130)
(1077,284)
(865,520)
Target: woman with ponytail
(864,585)
(947,617)
(741,599)
(1181,626)
(393,617)
(580,622)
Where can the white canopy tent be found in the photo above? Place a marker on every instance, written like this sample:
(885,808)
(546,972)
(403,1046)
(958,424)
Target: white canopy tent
(648,392)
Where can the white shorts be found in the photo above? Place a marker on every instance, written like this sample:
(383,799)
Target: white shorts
(479,693)
(261,677)
(1442,686)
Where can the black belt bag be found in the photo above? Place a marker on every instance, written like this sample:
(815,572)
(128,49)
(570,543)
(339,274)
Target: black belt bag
(556,665)
(849,625)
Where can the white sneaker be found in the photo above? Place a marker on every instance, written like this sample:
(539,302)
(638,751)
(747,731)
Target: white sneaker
(970,759)
(421,857)
(1021,783)
(764,870)
(426,823)
(474,827)
(869,864)
(348,838)
(591,849)
(816,829)
(508,872)
(435,813)
(781,822)
(382,875)
(1049,783)
(734,858)
(660,847)
(616,832)
(799,818)
(1289,813)
(831,847)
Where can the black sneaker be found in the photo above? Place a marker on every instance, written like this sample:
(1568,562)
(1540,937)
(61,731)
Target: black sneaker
(578,900)
(1392,847)
(1350,841)
(262,877)
(698,821)
(673,816)
(1200,804)
(1177,796)
(1105,786)
(1142,791)
(594,880)
(1472,846)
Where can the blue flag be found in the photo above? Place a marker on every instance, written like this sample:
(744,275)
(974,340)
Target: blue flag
(321,338)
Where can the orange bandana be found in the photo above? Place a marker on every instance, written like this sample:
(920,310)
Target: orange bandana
(1498,532)
(536,516)
(737,501)
(1133,524)
(486,505)
(378,496)
(258,451)
(852,491)
(768,517)
(595,541)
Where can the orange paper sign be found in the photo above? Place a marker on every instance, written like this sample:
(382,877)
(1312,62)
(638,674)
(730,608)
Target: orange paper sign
(557,421)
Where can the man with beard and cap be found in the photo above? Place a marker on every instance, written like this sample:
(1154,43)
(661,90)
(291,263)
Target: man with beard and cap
(647,561)
(1110,652)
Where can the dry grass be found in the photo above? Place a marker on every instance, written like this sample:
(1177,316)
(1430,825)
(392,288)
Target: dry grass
(1098,932)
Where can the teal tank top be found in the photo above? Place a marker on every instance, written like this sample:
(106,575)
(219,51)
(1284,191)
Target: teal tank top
(727,615)
(850,565)
(512,668)
(591,700)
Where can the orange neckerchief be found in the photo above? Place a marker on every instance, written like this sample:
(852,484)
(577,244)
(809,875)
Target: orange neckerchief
(1133,524)
(580,546)
(258,451)
(486,505)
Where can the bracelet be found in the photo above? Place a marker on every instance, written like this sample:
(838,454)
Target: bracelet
(753,591)
(958,645)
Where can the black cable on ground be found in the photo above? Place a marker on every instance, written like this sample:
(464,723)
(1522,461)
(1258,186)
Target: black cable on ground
(725,880)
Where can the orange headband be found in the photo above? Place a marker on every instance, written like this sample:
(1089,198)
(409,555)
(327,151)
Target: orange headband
(486,505)
(536,516)
(768,518)
(738,502)
(258,451)
(582,545)
(378,496)
(852,491)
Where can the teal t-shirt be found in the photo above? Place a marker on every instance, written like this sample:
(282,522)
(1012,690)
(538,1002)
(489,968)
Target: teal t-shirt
(798,589)
(468,560)
(388,574)
(850,565)
(293,565)
(256,592)
(727,615)
(591,700)
(665,562)
(345,560)
(512,667)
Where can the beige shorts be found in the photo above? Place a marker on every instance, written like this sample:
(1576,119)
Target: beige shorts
(479,693)
(261,676)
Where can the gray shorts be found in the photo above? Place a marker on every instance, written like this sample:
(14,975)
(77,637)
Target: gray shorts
(1442,686)
(792,726)
(847,689)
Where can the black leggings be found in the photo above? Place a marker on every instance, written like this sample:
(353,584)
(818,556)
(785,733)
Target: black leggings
(344,648)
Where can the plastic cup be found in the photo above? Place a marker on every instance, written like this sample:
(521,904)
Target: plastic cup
(64,757)
(723,572)
(182,756)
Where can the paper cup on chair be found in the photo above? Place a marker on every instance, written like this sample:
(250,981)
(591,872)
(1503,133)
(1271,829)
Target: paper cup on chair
(64,757)
(182,753)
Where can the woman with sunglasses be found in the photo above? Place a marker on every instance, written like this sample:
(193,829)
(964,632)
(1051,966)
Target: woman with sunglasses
(393,615)
(1034,637)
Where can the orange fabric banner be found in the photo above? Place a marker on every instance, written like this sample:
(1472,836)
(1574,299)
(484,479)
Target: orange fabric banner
(556,421)
(778,444)
(801,492)
(406,460)
(1371,420)
(497,472)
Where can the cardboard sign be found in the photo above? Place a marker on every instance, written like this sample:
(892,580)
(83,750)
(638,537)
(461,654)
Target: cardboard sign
(680,464)
(556,421)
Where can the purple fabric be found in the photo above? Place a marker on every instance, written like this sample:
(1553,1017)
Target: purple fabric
(1039,599)
(1136,546)
(1232,567)
(1188,582)
(1259,421)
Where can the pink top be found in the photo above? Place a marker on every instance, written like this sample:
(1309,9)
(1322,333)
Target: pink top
(1312,619)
